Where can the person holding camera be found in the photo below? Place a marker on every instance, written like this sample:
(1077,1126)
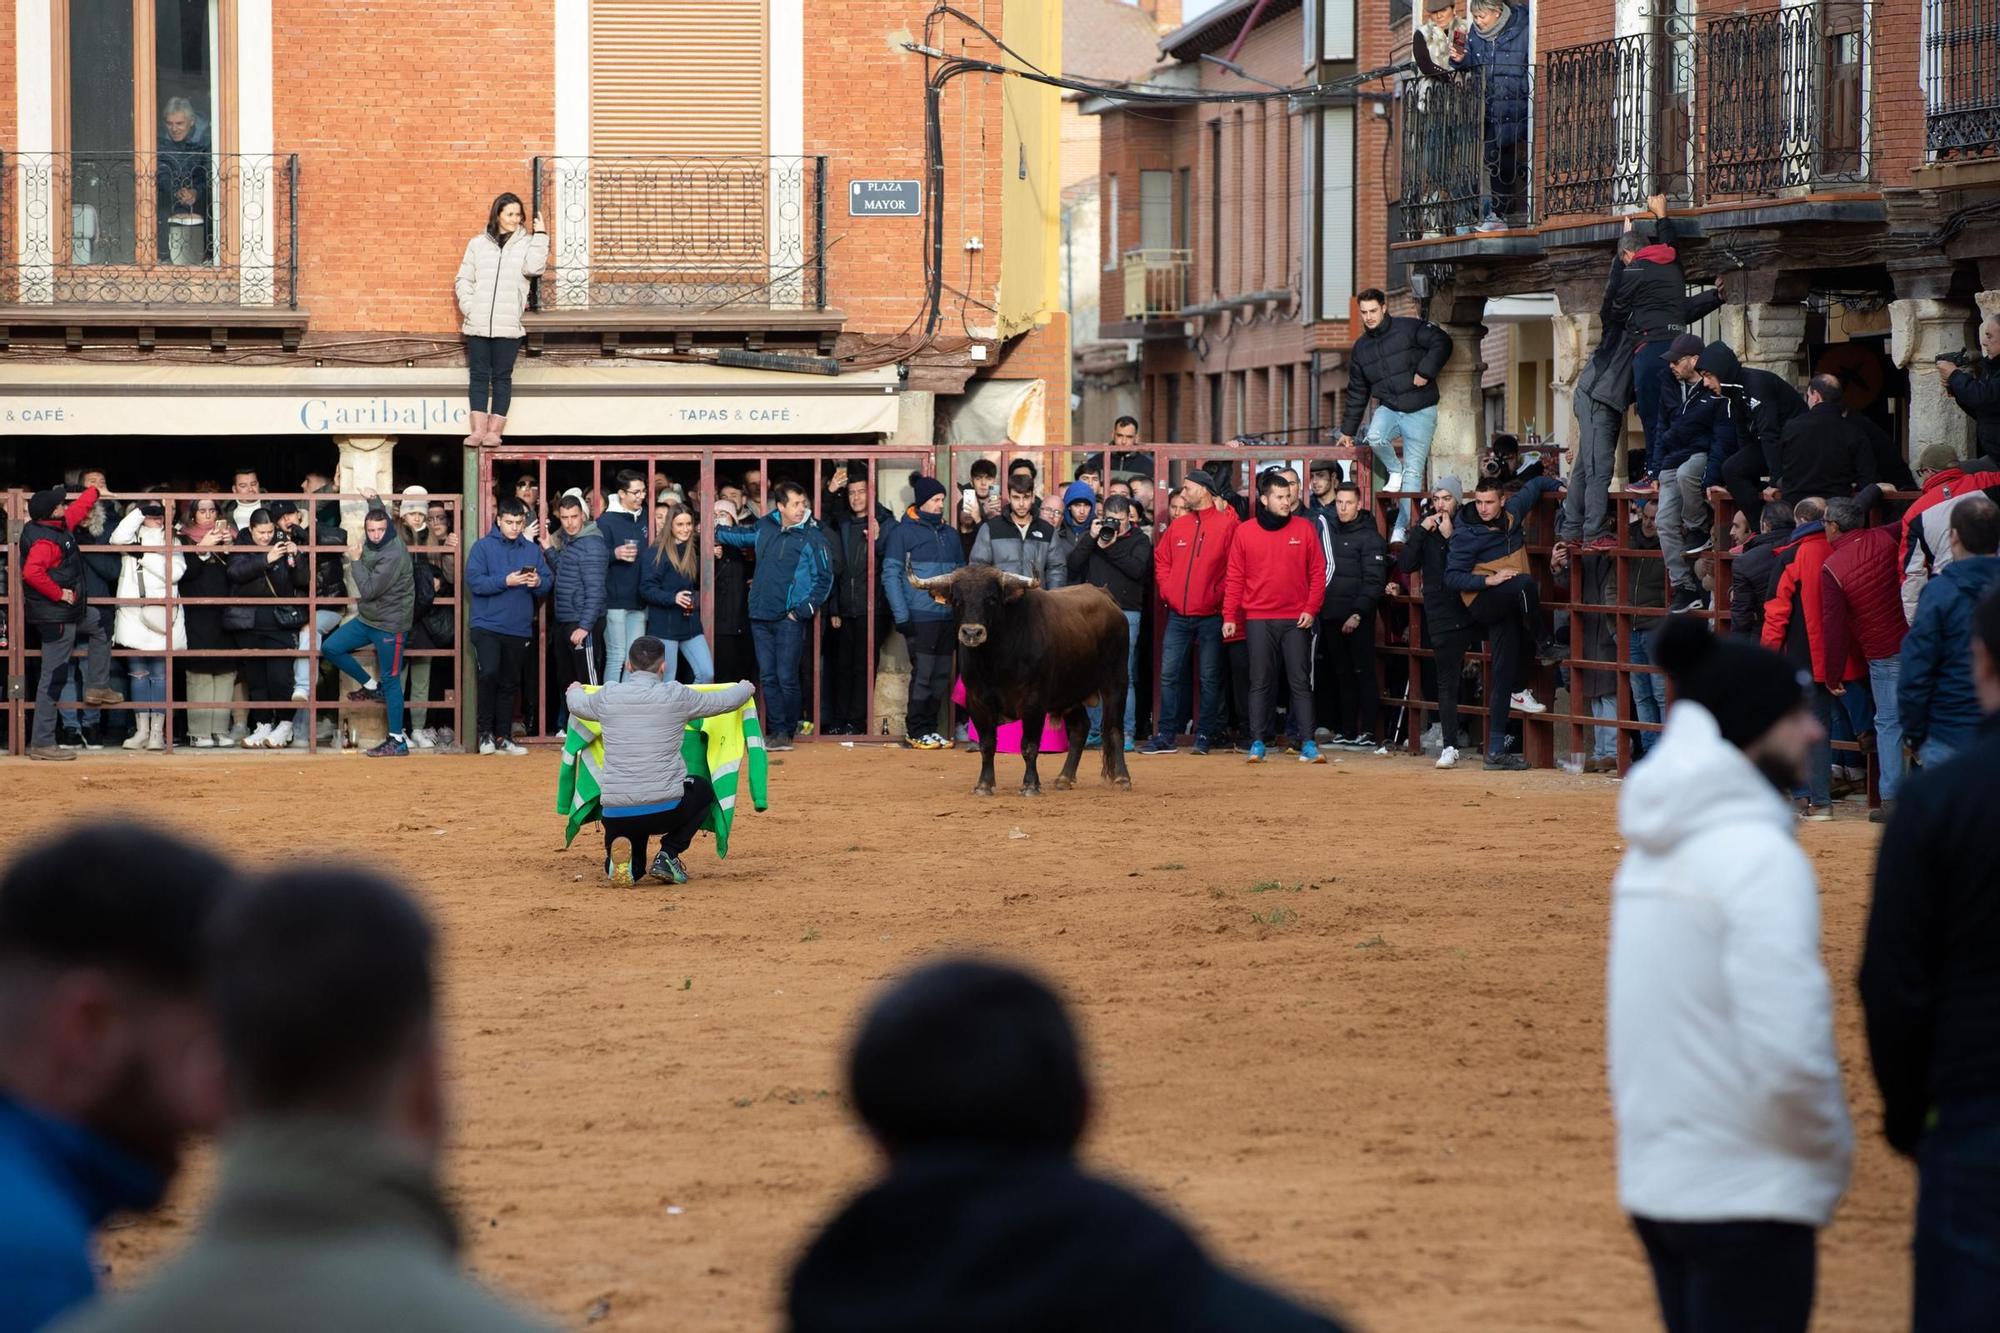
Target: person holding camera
(1356,573)
(1973,382)
(1274,589)
(266,570)
(1118,559)
(1488,569)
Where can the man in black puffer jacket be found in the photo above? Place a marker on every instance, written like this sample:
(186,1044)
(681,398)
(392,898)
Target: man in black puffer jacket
(1449,629)
(969,1077)
(1395,361)
(1356,575)
(1119,559)
(1760,404)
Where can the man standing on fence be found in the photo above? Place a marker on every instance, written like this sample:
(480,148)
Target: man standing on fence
(1189,564)
(385,584)
(1488,568)
(1395,361)
(1733,1138)
(1274,588)
(57,603)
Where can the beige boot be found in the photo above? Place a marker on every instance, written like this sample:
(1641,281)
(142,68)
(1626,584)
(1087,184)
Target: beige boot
(137,740)
(156,731)
(494,425)
(475,428)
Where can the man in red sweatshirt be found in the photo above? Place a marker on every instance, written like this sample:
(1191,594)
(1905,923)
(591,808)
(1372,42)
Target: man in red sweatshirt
(1861,610)
(1274,587)
(56,602)
(1188,565)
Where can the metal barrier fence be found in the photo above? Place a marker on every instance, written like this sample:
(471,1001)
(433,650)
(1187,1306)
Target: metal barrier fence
(21,650)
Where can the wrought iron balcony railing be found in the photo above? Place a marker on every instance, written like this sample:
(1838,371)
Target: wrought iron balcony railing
(1156,282)
(1786,99)
(1465,153)
(1617,123)
(1962,78)
(683,233)
(170,229)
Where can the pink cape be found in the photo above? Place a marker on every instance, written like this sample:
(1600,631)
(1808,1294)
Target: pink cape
(1008,741)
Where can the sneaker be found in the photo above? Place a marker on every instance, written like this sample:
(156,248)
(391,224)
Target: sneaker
(1399,534)
(364,695)
(1129,747)
(1492,222)
(1698,542)
(442,736)
(423,739)
(1505,763)
(509,746)
(223,741)
(1818,814)
(300,696)
(1365,741)
(1884,812)
(668,869)
(486,745)
(618,867)
(1549,652)
(908,743)
(1448,757)
(281,736)
(392,747)
(1256,752)
(1309,754)
(1688,597)
(779,744)
(260,739)
(203,742)
(1341,741)
(1201,746)
(1433,736)
(1094,740)
(1526,702)
(1394,482)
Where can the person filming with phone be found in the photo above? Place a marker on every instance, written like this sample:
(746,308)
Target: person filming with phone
(506,575)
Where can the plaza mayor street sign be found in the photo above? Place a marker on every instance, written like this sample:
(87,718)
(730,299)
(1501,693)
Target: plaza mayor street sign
(885,199)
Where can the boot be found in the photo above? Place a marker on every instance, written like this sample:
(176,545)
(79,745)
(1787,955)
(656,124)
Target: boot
(475,428)
(494,425)
(102,695)
(137,740)
(155,725)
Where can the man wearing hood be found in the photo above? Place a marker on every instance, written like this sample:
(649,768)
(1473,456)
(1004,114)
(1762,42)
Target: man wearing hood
(1936,696)
(969,1076)
(1733,1138)
(56,601)
(1079,511)
(386,589)
(921,546)
(506,575)
(581,559)
(1275,585)
(1760,404)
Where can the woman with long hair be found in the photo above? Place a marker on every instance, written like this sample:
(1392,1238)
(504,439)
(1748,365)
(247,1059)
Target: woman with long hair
(211,681)
(266,571)
(670,585)
(147,628)
(492,291)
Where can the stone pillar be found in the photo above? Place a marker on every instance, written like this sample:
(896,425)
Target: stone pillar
(366,464)
(1769,337)
(1461,416)
(1574,338)
(1920,330)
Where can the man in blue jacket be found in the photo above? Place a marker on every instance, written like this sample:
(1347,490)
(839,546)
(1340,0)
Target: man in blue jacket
(1487,567)
(1935,695)
(923,547)
(506,575)
(793,579)
(581,559)
(101,1024)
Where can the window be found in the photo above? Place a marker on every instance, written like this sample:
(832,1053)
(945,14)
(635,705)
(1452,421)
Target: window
(1215,209)
(140,130)
(1240,415)
(1215,427)
(1156,210)
(1111,224)
(1183,223)
(1286,384)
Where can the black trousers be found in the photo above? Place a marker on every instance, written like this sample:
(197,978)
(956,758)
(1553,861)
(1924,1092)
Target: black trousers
(735,657)
(267,679)
(497,660)
(1236,685)
(1742,473)
(576,663)
(930,676)
(529,682)
(490,366)
(1357,687)
(1448,656)
(847,673)
(1277,646)
(1731,1277)
(674,828)
(1511,613)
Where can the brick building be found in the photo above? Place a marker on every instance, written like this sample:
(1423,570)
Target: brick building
(1836,161)
(698,164)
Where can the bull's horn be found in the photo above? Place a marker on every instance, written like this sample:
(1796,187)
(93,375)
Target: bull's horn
(925,585)
(1020,580)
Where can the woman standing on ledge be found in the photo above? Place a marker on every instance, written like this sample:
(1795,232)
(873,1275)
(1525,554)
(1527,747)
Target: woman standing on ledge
(492,289)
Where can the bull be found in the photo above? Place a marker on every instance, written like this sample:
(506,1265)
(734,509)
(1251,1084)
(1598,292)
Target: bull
(1025,652)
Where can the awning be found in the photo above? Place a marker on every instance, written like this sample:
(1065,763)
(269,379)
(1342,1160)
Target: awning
(649,400)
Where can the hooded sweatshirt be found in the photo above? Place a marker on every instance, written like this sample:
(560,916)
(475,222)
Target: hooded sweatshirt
(1069,534)
(384,581)
(1724,1080)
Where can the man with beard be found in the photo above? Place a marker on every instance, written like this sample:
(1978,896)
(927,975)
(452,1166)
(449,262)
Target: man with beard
(1733,1137)
(106,1064)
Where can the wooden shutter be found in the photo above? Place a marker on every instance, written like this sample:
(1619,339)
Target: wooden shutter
(678,76)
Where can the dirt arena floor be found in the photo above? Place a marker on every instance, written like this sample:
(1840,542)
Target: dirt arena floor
(1376,1078)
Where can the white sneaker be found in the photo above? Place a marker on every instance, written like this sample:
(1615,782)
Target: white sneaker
(204,742)
(1398,534)
(1526,702)
(486,745)
(223,740)
(1448,757)
(258,739)
(1433,734)
(300,696)
(281,737)
(422,739)
(509,747)
(1394,483)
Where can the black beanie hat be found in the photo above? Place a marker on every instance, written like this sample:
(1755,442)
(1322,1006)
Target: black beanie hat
(926,488)
(1746,688)
(44,504)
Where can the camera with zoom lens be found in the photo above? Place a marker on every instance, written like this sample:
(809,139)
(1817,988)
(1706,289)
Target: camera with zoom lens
(1963,358)
(1106,526)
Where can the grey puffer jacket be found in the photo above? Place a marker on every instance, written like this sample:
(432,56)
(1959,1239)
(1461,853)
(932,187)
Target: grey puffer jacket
(581,565)
(492,282)
(385,585)
(1001,545)
(643,717)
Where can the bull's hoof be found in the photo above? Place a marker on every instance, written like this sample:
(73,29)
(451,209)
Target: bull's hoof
(983,789)
(1123,782)
(1063,784)
(1031,791)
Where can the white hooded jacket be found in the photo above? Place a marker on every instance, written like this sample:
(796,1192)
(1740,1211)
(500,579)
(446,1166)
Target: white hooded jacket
(145,627)
(1723,1075)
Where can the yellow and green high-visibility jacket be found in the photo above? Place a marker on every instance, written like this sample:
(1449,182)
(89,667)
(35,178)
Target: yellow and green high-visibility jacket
(718,748)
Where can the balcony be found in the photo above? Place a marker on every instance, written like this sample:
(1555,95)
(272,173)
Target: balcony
(149,242)
(1786,105)
(1962,79)
(1637,137)
(1156,283)
(693,246)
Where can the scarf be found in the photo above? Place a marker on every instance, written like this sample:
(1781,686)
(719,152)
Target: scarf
(714,748)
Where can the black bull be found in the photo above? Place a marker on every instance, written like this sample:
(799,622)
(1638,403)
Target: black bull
(1024,652)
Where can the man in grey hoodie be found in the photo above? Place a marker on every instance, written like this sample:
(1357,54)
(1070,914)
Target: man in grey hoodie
(644,787)
(387,592)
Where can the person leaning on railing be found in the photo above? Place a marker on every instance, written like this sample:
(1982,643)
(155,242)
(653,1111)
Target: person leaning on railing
(56,601)
(211,681)
(1488,568)
(148,629)
(263,571)
(1449,630)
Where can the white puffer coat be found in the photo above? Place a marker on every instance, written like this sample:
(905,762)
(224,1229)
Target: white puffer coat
(144,628)
(492,283)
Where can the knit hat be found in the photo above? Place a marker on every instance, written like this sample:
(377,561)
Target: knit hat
(927,489)
(1687,344)
(1936,457)
(415,500)
(44,504)
(1746,688)
(1452,486)
(1199,478)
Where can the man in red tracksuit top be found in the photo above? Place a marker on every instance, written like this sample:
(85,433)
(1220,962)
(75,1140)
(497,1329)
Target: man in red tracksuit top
(1188,565)
(1861,608)
(1274,587)
(57,603)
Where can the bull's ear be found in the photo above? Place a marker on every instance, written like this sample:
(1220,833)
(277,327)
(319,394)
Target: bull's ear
(1011,591)
(941,599)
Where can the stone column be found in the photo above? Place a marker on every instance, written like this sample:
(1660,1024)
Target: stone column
(1769,337)
(366,464)
(1461,404)
(1921,330)
(1574,338)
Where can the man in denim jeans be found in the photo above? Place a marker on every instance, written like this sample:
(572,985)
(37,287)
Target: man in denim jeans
(1395,361)
(1189,562)
(794,575)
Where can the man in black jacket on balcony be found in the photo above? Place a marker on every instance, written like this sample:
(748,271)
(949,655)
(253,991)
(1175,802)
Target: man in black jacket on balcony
(1395,361)
(1760,403)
